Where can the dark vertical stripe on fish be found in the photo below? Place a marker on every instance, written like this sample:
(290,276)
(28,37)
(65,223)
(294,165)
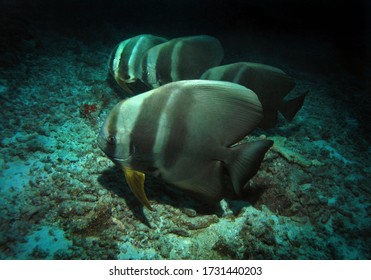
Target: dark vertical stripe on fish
(193,60)
(180,107)
(144,77)
(112,131)
(197,55)
(229,74)
(125,57)
(163,64)
(112,58)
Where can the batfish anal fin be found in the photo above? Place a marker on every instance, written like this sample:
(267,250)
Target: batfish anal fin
(208,184)
(245,162)
(135,180)
(203,179)
(289,108)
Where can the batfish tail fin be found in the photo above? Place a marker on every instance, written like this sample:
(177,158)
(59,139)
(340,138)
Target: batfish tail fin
(289,108)
(245,162)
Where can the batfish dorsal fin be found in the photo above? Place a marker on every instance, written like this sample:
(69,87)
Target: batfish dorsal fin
(237,108)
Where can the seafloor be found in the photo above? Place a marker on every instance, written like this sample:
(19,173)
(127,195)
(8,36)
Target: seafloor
(62,198)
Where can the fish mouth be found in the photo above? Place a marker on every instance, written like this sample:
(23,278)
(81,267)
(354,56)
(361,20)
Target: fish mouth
(101,142)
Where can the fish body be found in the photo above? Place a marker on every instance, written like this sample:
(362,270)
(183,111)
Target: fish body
(185,132)
(125,59)
(270,84)
(181,58)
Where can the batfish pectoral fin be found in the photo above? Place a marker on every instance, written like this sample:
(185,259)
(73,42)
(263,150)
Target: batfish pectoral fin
(135,180)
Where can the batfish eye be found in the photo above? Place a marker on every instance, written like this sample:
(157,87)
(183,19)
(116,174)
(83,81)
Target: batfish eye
(126,76)
(111,140)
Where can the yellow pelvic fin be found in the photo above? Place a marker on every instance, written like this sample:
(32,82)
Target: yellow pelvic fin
(135,180)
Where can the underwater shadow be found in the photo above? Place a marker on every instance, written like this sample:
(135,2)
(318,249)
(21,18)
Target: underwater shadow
(157,191)
(166,193)
(113,180)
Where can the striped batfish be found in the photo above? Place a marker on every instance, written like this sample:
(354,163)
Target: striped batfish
(125,59)
(185,132)
(269,83)
(182,58)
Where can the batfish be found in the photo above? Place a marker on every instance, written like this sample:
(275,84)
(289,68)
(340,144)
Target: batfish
(125,59)
(187,133)
(182,58)
(269,83)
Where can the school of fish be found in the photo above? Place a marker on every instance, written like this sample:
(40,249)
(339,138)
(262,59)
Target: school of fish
(186,129)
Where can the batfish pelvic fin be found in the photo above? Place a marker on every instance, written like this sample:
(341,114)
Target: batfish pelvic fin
(135,180)
(124,85)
